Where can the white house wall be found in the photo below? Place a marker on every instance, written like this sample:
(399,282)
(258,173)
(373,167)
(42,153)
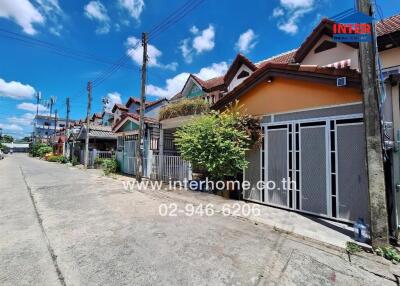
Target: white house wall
(341,52)
(235,81)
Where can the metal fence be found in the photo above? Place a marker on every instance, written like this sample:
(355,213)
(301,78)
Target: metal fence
(165,168)
(95,154)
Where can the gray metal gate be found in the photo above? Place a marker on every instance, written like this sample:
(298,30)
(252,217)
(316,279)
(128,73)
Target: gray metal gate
(325,160)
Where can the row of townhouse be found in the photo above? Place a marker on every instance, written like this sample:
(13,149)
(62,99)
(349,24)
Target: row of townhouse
(309,101)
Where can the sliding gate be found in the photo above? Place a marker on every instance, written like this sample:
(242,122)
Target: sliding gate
(317,166)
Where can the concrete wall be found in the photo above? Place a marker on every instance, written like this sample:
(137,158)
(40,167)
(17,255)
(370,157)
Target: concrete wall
(284,95)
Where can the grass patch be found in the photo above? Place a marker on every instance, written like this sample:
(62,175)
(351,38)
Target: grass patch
(390,253)
(352,247)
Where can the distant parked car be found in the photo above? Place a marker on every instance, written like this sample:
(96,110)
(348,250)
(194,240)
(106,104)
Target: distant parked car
(1,155)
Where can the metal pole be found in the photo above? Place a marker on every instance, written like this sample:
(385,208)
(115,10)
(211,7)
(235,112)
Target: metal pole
(140,142)
(376,178)
(89,89)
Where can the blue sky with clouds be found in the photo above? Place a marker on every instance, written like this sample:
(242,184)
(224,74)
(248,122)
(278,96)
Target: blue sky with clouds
(60,45)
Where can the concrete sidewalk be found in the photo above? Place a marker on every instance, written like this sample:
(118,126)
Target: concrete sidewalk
(326,232)
(25,258)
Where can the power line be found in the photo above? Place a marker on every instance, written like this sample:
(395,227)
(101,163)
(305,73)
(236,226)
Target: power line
(172,19)
(59,50)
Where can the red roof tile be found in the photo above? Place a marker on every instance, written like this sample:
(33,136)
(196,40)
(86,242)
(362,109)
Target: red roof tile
(388,25)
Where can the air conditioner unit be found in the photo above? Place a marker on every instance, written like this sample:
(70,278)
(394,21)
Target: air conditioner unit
(341,81)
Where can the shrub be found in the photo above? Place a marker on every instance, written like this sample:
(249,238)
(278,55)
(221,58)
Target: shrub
(389,253)
(98,162)
(216,142)
(34,149)
(62,159)
(110,166)
(352,247)
(43,150)
(53,158)
(184,107)
(74,161)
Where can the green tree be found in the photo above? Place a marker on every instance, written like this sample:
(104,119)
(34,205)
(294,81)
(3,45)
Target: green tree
(7,139)
(216,142)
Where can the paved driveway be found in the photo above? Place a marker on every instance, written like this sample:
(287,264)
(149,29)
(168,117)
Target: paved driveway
(64,226)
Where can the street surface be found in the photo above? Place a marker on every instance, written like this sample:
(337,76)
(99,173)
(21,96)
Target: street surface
(64,226)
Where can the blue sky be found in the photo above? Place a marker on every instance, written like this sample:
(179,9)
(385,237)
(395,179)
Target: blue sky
(204,42)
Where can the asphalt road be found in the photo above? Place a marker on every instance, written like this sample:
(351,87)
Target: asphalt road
(64,226)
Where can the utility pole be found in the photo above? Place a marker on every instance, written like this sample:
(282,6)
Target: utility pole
(140,141)
(52,101)
(55,125)
(89,89)
(38,96)
(66,128)
(372,122)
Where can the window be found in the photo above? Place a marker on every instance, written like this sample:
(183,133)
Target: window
(243,74)
(324,46)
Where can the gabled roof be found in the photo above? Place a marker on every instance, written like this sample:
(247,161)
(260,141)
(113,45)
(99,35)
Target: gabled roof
(98,115)
(305,72)
(120,107)
(152,103)
(384,27)
(323,28)
(132,100)
(133,117)
(236,64)
(97,131)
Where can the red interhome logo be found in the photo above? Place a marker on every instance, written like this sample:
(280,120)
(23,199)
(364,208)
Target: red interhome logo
(355,27)
(361,28)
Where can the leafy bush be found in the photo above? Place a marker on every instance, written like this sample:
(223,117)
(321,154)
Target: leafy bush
(43,150)
(34,149)
(216,142)
(98,162)
(62,159)
(74,161)
(110,166)
(184,107)
(389,253)
(53,158)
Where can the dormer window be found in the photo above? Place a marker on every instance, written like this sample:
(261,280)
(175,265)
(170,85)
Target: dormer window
(324,46)
(243,74)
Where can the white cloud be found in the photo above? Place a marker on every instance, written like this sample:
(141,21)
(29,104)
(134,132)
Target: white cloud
(216,69)
(11,128)
(175,84)
(15,90)
(194,30)
(277,12)
(246,41)
(135,51)
(31,107)
(53,13)
(114,97)
(290,12)
(23,13)
(95,10)
(205,41)
(24,120)
(296,4)
(134,7)
(172,86)
(186,51)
